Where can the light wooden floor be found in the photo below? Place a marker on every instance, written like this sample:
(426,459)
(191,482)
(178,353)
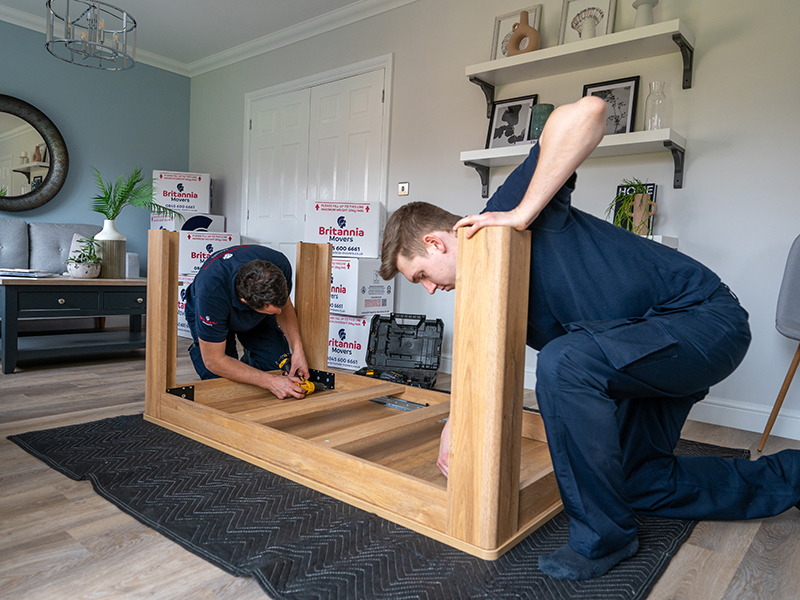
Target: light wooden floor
(59,540)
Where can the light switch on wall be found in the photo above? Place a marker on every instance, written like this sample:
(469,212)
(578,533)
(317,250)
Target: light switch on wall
(402,189)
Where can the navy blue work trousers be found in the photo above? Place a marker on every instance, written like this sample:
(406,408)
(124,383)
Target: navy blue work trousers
(612,425)
(263,347)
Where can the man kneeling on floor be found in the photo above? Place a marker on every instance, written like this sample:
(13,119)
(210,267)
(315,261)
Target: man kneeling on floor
(243,292)
(630,335)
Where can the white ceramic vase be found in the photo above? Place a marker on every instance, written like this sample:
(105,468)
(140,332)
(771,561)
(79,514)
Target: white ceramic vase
(644,12)
(112,249)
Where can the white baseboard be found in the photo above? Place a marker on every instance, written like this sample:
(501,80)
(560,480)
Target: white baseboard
(746,416)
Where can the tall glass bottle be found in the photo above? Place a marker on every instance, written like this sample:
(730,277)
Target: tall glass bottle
(655,110)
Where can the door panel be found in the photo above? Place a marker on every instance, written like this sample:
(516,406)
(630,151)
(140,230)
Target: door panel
(322,143)
(346,134)
(278,169)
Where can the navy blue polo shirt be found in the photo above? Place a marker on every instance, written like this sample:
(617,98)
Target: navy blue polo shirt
(213,307)
(587,273)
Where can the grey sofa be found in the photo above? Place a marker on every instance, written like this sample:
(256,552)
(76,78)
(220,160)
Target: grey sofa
(41,246)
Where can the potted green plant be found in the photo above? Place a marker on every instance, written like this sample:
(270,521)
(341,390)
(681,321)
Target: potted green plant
(3,190)
(129,190)
(84,263)
(632,208)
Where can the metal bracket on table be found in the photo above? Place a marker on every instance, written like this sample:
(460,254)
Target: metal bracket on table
(488,91)
(405,405)
(186,392)
(679,158)
(688,57)
(483,171)
(323,377)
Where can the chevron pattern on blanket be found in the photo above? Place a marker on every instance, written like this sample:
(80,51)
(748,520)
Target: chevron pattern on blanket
(301,544)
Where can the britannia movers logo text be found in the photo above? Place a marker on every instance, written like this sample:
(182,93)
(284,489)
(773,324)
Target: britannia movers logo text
(341,233)
(341,345)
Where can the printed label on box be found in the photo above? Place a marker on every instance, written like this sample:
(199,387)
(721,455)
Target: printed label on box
(196,247)
(347,342)
(190,192)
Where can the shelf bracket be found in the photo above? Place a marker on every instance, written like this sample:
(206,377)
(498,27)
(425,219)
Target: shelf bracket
(483,171)
(488,91)
(678,156)
(688,58)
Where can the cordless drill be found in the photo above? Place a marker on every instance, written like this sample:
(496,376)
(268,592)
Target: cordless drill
(285,365)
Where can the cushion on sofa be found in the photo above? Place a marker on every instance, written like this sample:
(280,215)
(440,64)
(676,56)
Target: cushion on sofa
(50,243)
(13,243)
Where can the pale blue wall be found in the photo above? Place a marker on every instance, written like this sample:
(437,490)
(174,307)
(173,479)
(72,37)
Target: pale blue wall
(113,121)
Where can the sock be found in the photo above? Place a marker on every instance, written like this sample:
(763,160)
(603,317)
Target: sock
(565,563)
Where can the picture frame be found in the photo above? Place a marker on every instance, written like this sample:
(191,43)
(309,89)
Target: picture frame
(620,96)
(510,122)
(570,9)
(503,28)
(652,189)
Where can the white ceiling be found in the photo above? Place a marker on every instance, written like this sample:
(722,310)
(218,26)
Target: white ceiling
(194,36)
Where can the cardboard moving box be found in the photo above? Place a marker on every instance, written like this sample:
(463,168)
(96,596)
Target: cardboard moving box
(348,338)
(183,326)
(195,247)
(190,222)
(357,288)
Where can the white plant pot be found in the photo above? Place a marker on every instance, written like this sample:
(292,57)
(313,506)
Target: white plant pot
(112,249)
(83,270)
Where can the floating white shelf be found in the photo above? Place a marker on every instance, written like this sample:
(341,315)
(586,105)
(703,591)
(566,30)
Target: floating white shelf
(620,144)
(667,240)
(641,42)
(633,44)
(28,167)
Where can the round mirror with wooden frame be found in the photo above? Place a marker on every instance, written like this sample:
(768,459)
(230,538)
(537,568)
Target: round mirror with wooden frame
(54,169)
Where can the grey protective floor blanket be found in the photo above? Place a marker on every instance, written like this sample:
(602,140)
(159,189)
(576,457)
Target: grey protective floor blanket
(301,544)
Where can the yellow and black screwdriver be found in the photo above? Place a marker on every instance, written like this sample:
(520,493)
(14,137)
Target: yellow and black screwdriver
(285,365)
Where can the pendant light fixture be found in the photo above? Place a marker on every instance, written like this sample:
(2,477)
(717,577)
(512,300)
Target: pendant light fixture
(91,34)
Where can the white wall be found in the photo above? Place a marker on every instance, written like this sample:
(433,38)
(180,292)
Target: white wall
(737,211)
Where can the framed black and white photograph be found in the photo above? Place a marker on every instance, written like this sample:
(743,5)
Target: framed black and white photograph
(510,123)
(620,97)
(585,19)
(503,28)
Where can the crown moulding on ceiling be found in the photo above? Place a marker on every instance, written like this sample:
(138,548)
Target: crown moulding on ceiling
(341,17)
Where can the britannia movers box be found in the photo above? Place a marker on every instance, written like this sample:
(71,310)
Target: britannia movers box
(196,246)
(184,192)
(348,338)
(358,289)
(352,228)
(183,283)
(190,222)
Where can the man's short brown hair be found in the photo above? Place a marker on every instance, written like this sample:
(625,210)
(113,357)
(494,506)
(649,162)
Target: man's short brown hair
(260,284)
(405,230)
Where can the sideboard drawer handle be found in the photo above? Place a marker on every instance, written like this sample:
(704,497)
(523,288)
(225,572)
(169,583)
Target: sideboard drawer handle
(140,300)
(61,301)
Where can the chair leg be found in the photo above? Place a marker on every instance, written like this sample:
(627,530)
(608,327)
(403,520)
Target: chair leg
(779,400)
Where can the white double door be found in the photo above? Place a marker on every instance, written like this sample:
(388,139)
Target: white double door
(319,143)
